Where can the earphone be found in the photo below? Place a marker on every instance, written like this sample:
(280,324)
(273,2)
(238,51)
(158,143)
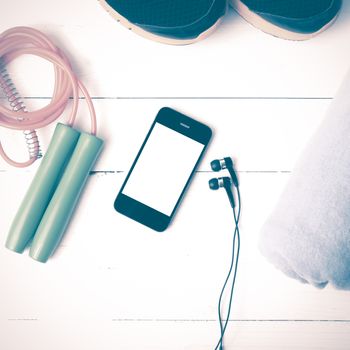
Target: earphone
(225,163)
(226,183)
(231,186)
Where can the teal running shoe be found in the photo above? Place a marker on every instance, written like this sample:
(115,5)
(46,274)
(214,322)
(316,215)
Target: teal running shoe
(289,19)
(175,22)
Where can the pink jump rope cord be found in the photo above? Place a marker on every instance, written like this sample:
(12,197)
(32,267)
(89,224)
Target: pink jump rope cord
(28,41)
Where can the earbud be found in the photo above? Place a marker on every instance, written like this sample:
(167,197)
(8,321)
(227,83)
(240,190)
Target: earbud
(226,163)
(226,183)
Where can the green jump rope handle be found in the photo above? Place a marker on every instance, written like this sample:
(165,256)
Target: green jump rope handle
(42,187)
(65,198)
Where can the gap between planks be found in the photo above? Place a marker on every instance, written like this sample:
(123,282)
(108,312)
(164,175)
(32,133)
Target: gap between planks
(184,98)
(203,320)
(230,320)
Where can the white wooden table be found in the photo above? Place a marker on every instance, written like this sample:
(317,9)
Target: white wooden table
(114,284)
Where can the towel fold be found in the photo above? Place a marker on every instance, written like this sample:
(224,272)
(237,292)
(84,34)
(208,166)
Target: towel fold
(308,234)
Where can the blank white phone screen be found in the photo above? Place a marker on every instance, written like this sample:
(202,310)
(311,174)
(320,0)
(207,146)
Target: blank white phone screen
(163,169)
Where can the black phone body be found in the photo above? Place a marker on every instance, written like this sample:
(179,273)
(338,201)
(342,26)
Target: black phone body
(163,168)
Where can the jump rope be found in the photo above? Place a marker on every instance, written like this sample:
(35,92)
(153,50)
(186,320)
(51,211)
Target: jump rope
(28,41)
(54,192)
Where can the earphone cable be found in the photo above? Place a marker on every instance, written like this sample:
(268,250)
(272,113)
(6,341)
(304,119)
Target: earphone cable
(233,283)
(234,262)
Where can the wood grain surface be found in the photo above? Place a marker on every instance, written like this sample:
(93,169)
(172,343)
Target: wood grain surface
(114,284)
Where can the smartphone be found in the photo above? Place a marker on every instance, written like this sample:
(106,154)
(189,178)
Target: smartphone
(163,168)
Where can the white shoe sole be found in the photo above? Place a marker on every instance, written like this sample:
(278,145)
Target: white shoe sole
(270,28)
(122,20)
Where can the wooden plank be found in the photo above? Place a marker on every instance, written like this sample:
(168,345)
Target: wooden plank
(109,265)
(262,135)
(237,60)
(108,334)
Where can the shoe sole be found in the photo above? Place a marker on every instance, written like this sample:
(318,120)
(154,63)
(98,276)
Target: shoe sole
(123,21)
(272,29)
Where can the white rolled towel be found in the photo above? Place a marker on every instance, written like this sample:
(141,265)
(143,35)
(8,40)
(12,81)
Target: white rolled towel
(308,234)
